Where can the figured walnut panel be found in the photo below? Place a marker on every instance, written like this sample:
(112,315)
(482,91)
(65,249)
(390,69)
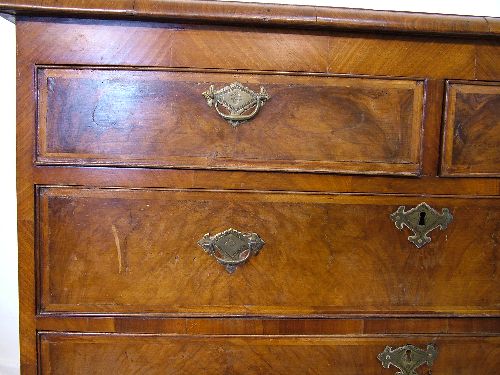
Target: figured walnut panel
(135,251)
(471,141)
(111,42)
(160,118)
(401,56)
(488,55)
(63,353)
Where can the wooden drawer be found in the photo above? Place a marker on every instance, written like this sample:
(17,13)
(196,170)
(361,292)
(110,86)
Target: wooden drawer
(119,251)
(63,353)
(160,118)
(471,144)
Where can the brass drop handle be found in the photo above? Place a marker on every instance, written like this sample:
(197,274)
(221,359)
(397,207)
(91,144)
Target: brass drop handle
(421,220)
(238,100)
(231,248)
(407,358)
(235,119)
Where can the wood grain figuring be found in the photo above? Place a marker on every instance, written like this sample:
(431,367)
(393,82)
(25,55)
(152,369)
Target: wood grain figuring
(94,42)
(244,180)
(25,146)
(103,354)
(269,326)
(112,42)
(471,141)
(402,56)
(322,254)
(346,278)
(160,118)
(261,14)
(488,55)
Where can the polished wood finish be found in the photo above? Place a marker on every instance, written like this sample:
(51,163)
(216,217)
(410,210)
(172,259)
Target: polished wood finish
(248,40)
(156,354)
(143,246)
(261,14)
(471,140)
(137,177)
(312,123)
(93,42)
(338,325)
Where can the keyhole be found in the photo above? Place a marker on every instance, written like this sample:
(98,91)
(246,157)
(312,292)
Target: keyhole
(421,221)
(408,356)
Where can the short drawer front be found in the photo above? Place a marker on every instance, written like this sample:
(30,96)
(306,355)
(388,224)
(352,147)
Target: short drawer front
(135,251)
(155,354)
(160,118)
(472,130)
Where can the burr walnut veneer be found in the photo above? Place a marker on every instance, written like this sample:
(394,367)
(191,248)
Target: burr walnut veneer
(228,188)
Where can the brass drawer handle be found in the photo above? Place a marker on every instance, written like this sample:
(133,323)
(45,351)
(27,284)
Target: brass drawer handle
(421,220)
(408,358)
(238,100)
(231,248)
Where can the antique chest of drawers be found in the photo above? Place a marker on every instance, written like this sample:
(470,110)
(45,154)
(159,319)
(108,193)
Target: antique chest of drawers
(227,188)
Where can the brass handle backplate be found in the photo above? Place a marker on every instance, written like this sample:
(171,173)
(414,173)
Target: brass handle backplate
(408,358)
(421,220)
(238,100)
(231,248)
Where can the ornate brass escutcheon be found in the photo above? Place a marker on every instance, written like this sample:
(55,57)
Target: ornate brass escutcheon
(421,220)
(407,358)
(238,100)
(232,248)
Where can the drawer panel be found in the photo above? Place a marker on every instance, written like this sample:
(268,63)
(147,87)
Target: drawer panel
(159,118)
(156,354)
(472,130)
(119,251)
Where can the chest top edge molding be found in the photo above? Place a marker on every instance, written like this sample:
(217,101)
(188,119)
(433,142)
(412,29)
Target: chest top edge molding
(259,14)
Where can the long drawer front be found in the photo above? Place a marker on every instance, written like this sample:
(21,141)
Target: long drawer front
(63,353)
(161,118)
(123,251)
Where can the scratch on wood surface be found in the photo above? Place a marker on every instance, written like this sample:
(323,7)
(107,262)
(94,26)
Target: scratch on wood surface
(118,248)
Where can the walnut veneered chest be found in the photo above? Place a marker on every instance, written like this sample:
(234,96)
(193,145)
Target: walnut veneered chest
(226,188)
